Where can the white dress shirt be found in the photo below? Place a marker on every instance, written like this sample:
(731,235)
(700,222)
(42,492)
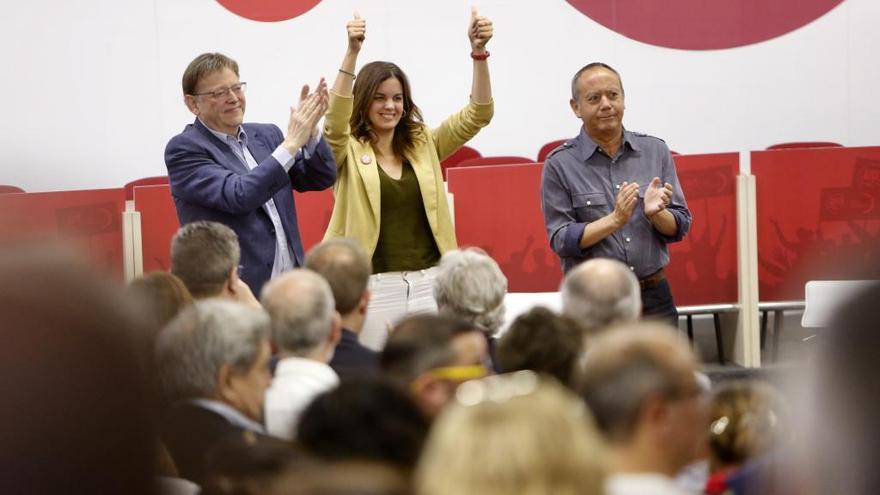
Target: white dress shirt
(296,384)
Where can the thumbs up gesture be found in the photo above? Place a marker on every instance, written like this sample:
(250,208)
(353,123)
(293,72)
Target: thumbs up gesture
(479,31)
(357,31)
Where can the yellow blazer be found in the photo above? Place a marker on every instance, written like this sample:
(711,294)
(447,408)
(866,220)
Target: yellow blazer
(356,210)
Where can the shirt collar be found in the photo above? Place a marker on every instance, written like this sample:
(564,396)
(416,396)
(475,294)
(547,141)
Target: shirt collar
(229,413)
(588,147)
(226,138)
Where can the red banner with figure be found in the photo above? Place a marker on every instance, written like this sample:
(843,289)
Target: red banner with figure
(818,217)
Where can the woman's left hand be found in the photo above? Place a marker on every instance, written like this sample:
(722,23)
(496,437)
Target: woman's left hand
(480,31)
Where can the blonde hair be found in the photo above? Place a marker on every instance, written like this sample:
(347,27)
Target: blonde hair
(537,440)
(746,420)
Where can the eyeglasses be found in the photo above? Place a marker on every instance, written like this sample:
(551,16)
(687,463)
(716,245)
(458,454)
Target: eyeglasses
(217,94)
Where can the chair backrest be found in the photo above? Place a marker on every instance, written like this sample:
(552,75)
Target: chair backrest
(804,144)
(547,148)
(461,154)
(145,181)
(495,160)
(4,189)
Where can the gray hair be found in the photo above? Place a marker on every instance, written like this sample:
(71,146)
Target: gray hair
(471,286)
(203,254)
(301,306)
(590,66)
(601,292)
(630,364)
(202,339)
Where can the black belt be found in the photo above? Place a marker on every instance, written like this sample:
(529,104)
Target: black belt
(652,280)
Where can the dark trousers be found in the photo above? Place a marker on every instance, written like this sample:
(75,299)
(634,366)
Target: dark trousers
(657,304)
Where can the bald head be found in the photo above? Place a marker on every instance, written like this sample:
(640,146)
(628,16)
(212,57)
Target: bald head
(301,306)
(601,292)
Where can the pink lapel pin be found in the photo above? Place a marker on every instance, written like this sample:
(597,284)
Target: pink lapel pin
(366,159)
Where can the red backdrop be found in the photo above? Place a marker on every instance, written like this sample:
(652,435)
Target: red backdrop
(818,217)
(87,220)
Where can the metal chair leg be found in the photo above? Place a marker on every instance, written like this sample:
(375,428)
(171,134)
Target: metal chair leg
(690,327)
(764,328)
(777,329)
(719,343)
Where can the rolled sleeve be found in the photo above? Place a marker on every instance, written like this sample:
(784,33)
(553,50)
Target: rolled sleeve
(563,230)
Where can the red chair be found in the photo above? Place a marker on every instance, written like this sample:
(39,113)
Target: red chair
(462,154)
(10,189)
(146,181)
(547,148)
(805,144)
(495,160)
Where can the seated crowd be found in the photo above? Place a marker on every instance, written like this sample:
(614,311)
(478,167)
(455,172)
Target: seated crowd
(189,383)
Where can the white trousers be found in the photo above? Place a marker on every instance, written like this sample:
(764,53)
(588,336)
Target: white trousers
(394,295)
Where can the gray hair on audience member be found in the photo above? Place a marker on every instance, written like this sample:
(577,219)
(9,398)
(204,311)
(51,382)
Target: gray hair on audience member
(471,286)
(202,339)
(601,292)
(301,306)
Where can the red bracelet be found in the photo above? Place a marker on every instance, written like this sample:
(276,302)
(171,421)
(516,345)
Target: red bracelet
(480,56)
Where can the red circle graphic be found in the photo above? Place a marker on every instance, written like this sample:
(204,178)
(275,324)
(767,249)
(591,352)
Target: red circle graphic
(702,24)
(269,10)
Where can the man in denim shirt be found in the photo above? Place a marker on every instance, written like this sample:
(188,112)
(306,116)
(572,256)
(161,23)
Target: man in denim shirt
(612,193)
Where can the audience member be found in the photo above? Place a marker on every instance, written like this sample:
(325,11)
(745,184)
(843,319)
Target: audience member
(77,413)
(745,422)
(601,292)
(544,342)
(163,293)
(470,286)
(641,385)
(367,420)
(348,478)
(248,464)
(345,266)
(431,355)
(213,364)
(305,330)
(839,418)
(512,434)
(205,256)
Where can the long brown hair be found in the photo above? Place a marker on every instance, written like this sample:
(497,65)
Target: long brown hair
(365,86)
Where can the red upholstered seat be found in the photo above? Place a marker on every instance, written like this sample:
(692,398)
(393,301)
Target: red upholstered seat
(4,189)
(495,160)
(463,153)
(547,148)
(804,144)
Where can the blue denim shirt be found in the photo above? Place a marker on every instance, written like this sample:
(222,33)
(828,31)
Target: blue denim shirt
(579,184)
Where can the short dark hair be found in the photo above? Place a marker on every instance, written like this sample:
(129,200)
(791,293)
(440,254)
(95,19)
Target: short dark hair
(368,80)
(420,343)
(203,254)
(592,65)
(204,65)
(346,267)
(544,342)
(369,419)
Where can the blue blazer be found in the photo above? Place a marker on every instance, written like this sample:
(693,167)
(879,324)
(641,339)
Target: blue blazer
(209,182)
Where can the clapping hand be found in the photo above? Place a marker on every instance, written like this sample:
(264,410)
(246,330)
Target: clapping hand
(657,197)
(479,31)
(305,116)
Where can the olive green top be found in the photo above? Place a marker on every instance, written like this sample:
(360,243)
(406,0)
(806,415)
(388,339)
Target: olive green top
(406,242)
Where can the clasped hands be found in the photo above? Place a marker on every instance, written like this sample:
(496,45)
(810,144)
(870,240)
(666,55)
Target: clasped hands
(656,199)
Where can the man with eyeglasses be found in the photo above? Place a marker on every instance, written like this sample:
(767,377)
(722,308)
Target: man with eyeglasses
(242,174)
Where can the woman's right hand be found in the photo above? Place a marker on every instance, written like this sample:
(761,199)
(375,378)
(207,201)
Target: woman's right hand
(357,30)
